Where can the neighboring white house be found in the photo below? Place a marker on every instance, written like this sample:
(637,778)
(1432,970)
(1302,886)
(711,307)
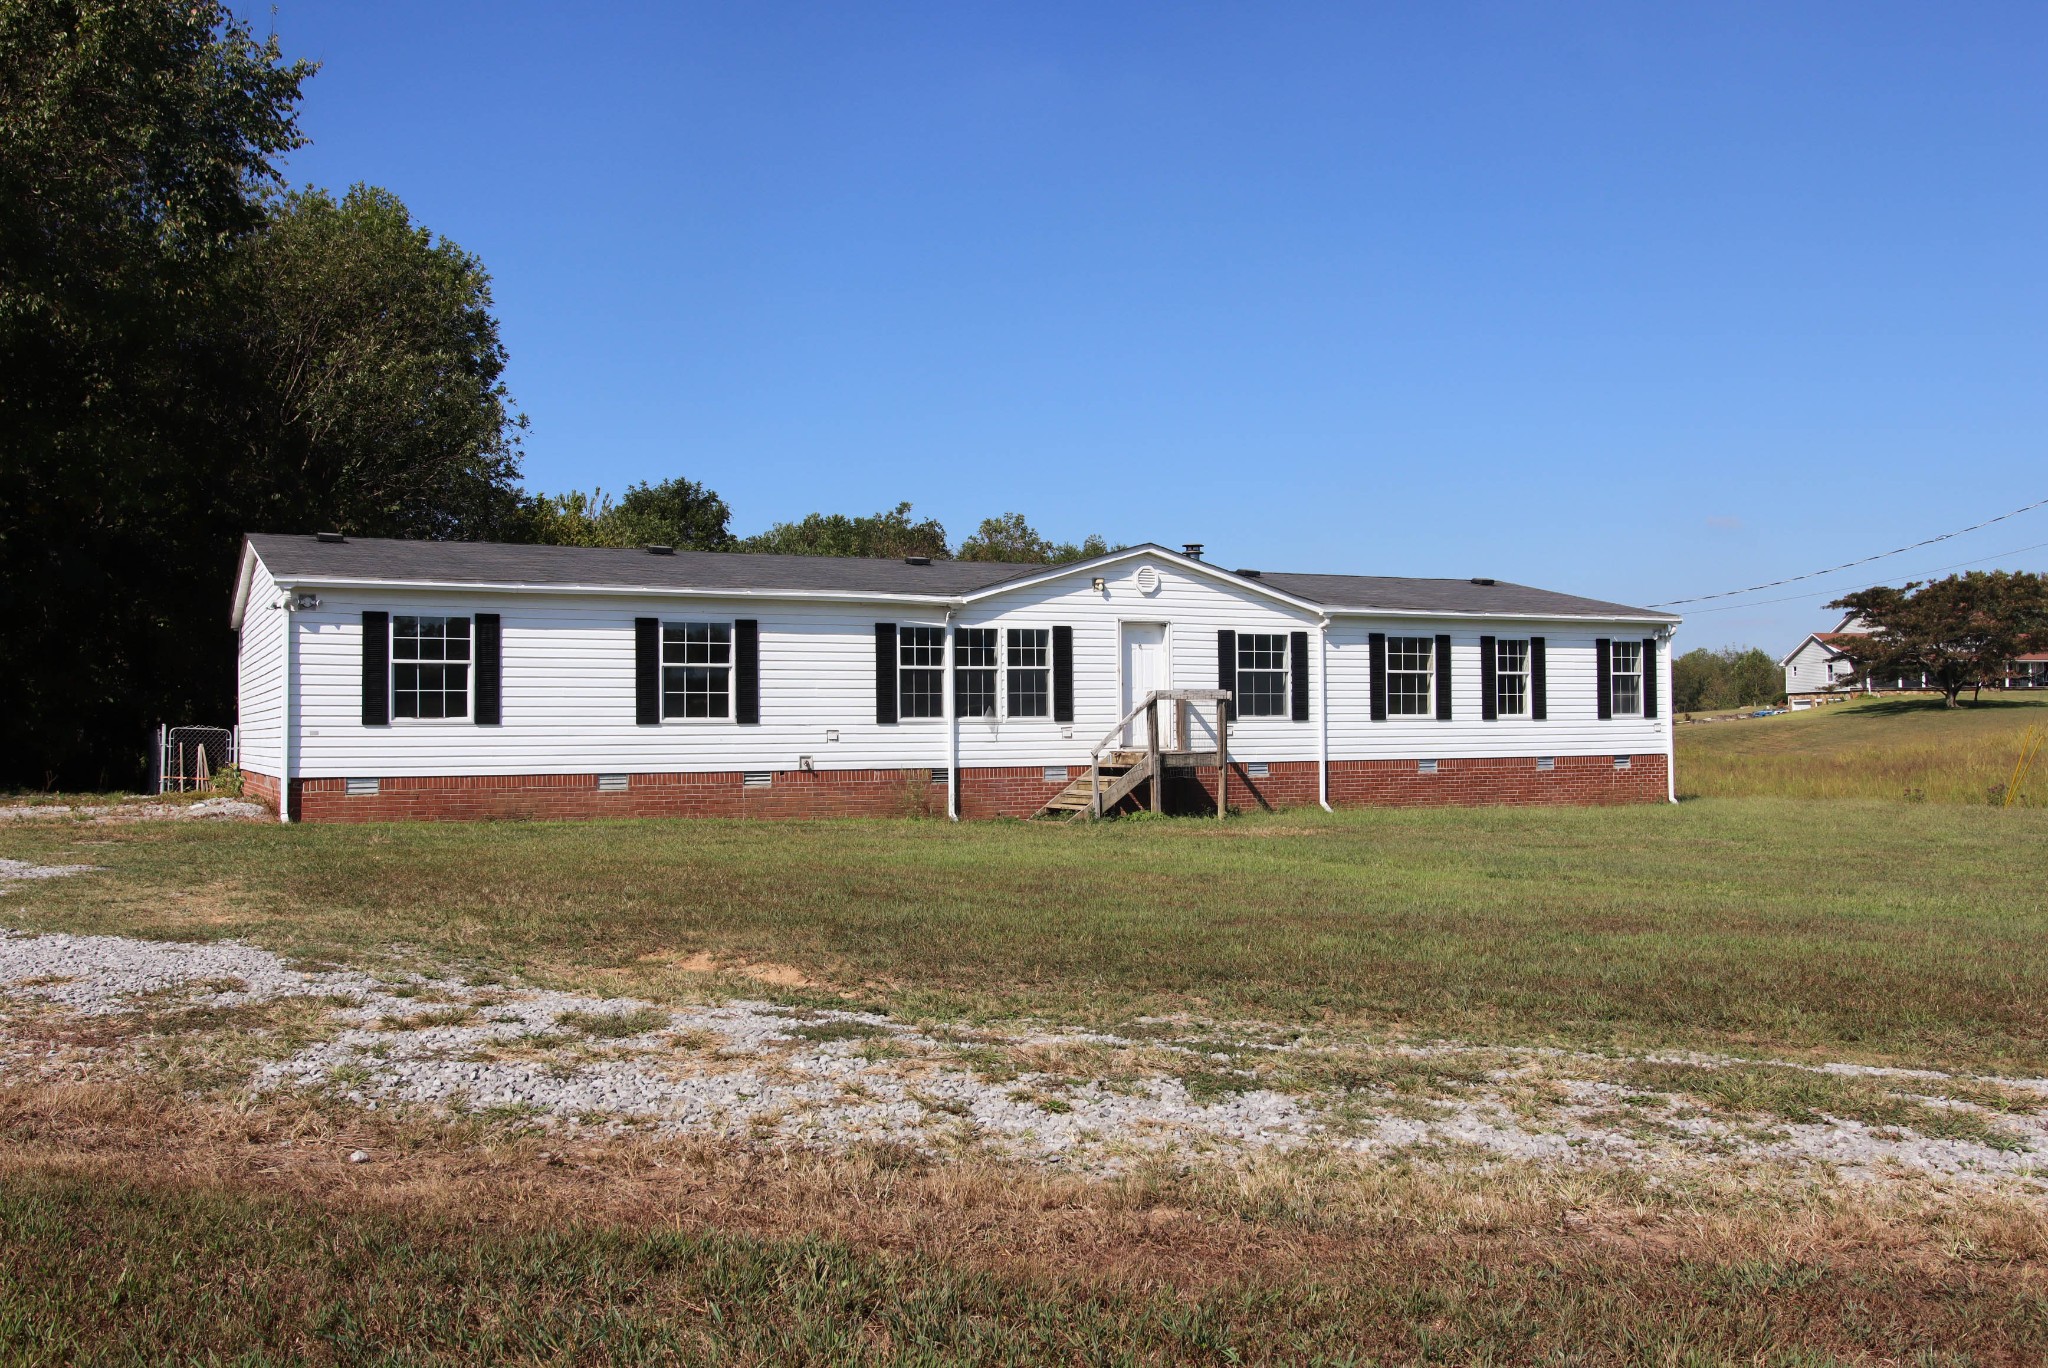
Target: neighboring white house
(1823,667)
(387,679)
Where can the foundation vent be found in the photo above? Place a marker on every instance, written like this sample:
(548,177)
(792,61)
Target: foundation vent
(612,783)
(360,788)
(757,779)
(1425,767)
(1546,762)
(1257,769)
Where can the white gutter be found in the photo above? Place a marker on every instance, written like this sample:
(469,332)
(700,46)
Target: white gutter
(952,729)
(1323,716)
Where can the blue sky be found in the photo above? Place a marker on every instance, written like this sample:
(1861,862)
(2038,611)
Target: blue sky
(1634,301)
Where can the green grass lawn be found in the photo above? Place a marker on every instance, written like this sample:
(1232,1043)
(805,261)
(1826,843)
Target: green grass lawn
(1878,931)
(1900,749)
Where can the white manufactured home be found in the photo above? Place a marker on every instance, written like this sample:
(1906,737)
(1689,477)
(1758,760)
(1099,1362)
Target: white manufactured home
(392,679)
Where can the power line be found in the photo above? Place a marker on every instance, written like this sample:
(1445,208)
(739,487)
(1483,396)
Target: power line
(1795,598)
(1850,565)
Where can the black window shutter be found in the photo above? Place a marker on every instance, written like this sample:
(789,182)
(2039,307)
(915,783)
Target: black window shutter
(490,669)
(1062,674)
(1297,674)
(1649,676)
(647,671)
(1226,670)
(885,672)
(1443,677)
(1489,707)
(376,669)
(1603,677)
(1539,682)
(1376,647)
(746,672)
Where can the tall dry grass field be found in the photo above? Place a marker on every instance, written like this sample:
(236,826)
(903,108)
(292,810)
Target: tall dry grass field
(1899,749)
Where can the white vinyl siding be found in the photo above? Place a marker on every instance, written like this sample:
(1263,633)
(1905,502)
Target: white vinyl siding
(568,684)
(259,677)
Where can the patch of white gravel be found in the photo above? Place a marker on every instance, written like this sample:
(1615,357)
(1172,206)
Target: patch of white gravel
(834,1078)
(20,871)
(220,809)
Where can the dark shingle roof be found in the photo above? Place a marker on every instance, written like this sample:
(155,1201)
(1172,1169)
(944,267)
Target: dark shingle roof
(447,562)
(1388,594)
(307,560)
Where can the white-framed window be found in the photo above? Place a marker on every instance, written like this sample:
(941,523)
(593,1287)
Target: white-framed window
(921,672)
(1411,676)
(696,669)
(1510,678)
(1625,661)
(429,666)
(974,671)
(1029,672)
(1262,674)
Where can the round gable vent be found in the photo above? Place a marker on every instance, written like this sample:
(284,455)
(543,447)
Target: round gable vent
(1147,580)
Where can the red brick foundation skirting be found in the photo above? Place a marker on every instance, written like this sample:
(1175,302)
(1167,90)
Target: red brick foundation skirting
(1015,791)
(260,788)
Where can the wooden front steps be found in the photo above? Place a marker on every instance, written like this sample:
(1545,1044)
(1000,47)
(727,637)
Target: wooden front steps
(1115,772)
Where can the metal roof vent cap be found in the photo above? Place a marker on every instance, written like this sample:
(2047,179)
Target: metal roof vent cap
(1250,574)
(329,538)
(657,549)
(1478,580)
(1192,550)
(917,560)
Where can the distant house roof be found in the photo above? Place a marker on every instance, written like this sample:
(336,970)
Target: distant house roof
(374,560)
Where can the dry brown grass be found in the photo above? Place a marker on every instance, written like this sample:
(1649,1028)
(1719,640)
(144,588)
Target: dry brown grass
(1393,1256)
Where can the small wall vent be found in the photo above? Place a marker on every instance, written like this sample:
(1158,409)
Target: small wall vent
(360,788)
(612,783)
(1546,762)
(1055,774)
(1623,762)
(1257,769)
(941,775)
(1425,767)
(757,778)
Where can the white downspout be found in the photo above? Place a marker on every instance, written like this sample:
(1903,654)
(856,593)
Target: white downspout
(1667,686)
(284,730)
(1323,716)
(952,728)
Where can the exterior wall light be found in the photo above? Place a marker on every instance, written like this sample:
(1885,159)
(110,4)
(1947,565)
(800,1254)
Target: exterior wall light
(1101,585)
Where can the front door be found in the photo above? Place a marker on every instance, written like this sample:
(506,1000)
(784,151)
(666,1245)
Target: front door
(1145,669)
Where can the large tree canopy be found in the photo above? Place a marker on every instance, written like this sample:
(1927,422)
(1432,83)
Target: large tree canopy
(186,355)
(1010,538)
(679,513)
(1960,630)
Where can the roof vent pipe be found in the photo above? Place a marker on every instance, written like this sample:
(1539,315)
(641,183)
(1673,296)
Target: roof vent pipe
(1477,580)
(1192,550)
(657,549)
(1250,574)
(330,538)
(917,560)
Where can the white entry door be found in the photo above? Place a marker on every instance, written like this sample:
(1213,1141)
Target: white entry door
(1145,668)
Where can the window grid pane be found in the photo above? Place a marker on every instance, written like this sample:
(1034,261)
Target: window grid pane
(1411,668)
(920,674)
(430,669)
(974,671)
(1029,677)
(1511,678)
(696,669)
(1627,661)
(1261,674)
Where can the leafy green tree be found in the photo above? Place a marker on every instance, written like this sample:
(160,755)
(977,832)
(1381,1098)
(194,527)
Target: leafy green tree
(138,146)
(186,354)
(678,512)
(1728,678)
(1960,630)
(381,408)
(891,534)
(1009,538)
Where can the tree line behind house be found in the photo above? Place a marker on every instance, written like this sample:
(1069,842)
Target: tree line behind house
(191,350)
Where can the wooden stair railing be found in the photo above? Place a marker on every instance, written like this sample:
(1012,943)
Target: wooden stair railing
(1096,793)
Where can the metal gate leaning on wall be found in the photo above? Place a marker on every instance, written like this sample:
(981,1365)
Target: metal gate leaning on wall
(188,758)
